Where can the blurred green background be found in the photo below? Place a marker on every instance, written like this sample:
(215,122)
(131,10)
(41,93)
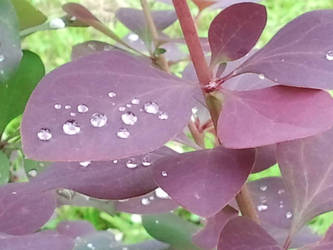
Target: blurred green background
(54,47)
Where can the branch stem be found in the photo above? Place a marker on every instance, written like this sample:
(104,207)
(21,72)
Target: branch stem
(204,74)
(161,61)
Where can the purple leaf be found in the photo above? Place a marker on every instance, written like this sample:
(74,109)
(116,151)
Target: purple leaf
(273,115)
(129,177)
(134,19)
(104,106)
(209,236)
(307,169)
(300,54)
(241,233)
(265,158)
(204,181)
(23,209)
(38,241)
(325,244)
(74,229)
(152,203)
(235,31)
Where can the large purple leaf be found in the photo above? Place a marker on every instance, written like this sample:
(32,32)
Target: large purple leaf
(265,158)
(105,106)
(307,168)
(120,179)
(209,236)
(267,116)
(23,209)
(235,31)
(242,233)
(300,54)
(38,241)
(152,203)
(204,181)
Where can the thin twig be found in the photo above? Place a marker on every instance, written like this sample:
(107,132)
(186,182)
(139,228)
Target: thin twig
(243,198)
(162,62)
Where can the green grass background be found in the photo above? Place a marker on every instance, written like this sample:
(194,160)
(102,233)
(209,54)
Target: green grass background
(54,47)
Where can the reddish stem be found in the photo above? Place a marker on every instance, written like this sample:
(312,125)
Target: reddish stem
(204,74)
(192,40)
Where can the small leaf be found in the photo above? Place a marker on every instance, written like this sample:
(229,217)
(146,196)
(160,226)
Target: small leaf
(208,237)
(171,229)
(299,54)
(15,92)
(307,169)
(27,14)
(4,168)
(235,31)
(38,241)
(273,115)
(129,99)
(204,181)
(10,44)
(24,209)
(241,233)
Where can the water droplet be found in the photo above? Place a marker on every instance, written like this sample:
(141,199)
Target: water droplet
(112,94)
(281,191)
(128,105)
(133,37)
(2,58)
(91,246)
(33,173)
(281,206)
(44,134)
(68,106)
(135,101)
(71,127)
(131,163)
(160,193)
(57,23)
(151,198)
(14,192)
(129,118)
(145,201)
(121,109)
(115,161)
(123,133)
(151,107)
(57,106)
(163,116)
(85,163)
(164,173)
(73,18)
(329,55)
(261,76)
(262,207)
(146,162)
(98,120)
(157,221)
(289,215)
(82,108)
(263,188)
(72,114)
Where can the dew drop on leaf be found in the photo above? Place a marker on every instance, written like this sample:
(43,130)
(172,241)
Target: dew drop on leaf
(145,201)
(131,163)
(121,109)
(91,246)
(68,106)
(112,94)
(44,134)
(32,173)
(57,106)
(262,207)
(115,161)
(123,133)
(281,191)
(135,101)
(151,107)
(289,215)
(2,58)
(329,55)
(82,108)
(164,173)
(85,163)
(72,114)
(263,188)
(98,120)
(133,37)
(128,105)
(71,127)
(160,193)
(163,116)
(146,162)
(261,76)
(129,118)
